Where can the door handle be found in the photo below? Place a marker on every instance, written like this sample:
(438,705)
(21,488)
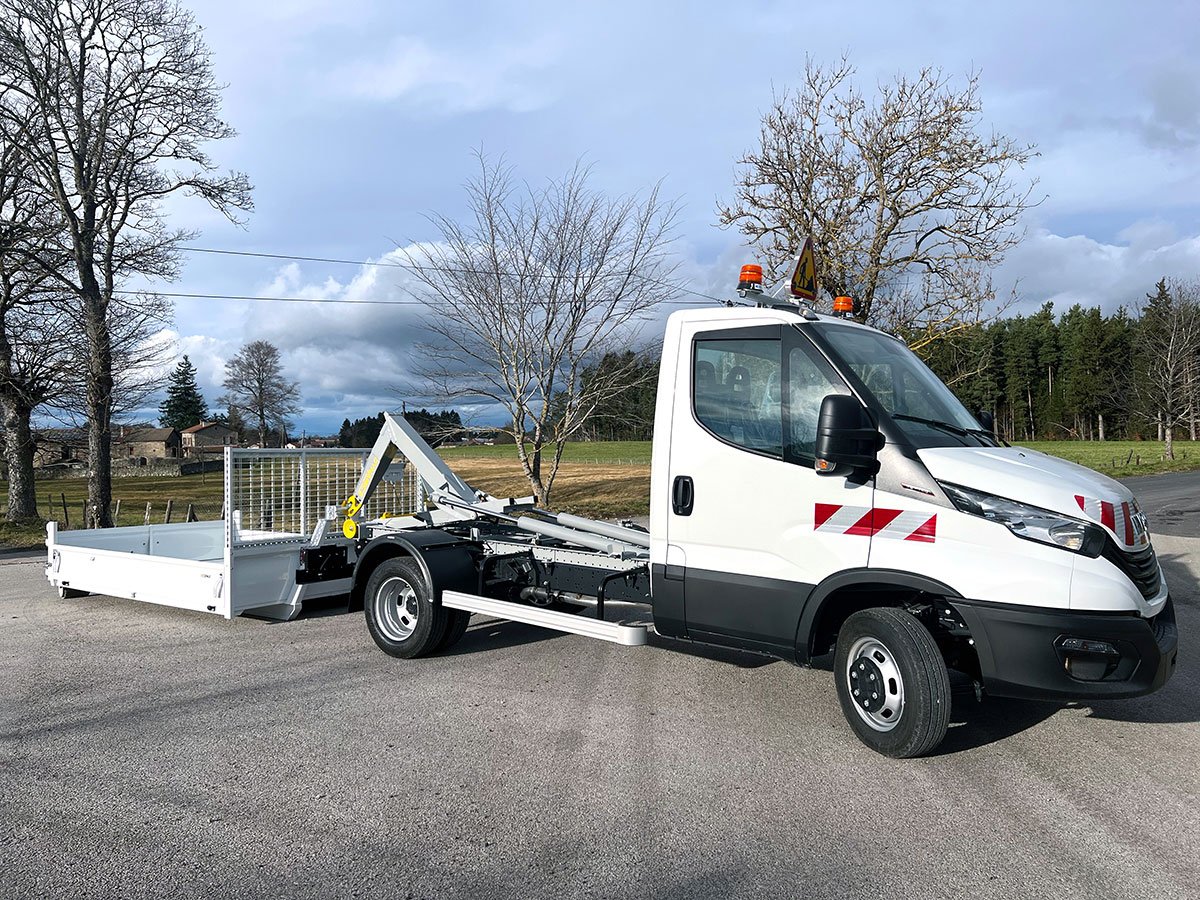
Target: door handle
(683,495)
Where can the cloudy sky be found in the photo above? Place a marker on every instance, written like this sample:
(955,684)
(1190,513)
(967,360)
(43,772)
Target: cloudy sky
(358,119)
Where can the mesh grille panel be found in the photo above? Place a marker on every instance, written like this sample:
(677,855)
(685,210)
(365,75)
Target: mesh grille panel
(277,494)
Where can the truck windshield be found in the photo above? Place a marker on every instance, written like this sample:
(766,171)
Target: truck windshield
(923,408)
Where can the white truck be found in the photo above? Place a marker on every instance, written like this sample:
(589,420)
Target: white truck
(814,488)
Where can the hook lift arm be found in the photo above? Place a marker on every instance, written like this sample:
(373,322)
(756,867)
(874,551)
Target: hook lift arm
(453,495)
(440,481)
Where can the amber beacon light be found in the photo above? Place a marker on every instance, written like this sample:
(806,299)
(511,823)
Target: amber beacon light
(843,306)
(750,279)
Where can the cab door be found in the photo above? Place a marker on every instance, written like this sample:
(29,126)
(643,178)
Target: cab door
(752,524)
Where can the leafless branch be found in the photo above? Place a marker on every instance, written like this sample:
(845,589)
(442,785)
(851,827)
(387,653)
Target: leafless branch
(902,196)
(537,285)
(119,101)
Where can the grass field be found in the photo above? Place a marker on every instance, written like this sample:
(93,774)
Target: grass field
(601,480)
(604,452)
(205,492)
(1109,456)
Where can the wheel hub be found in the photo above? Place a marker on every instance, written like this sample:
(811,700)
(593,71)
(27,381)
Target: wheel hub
(396,609)
(866,684)
(875,683)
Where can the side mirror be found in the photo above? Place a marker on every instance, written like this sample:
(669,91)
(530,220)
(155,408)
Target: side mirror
(985,419)
(847,439)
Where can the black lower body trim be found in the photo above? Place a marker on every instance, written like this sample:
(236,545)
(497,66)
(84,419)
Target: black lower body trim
(1046,654)
(666,593)
(747,611)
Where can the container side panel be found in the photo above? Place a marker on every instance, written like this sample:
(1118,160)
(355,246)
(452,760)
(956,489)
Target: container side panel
(185,584)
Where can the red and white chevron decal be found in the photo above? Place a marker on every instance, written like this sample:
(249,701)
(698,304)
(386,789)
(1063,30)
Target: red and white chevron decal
(1125,521)
(900,524)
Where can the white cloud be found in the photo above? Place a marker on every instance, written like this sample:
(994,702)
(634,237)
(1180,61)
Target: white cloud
(353,358)
(1079,269)
(462,78)
(356,120)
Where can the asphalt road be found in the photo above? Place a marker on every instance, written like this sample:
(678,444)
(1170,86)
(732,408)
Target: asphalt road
(1171,502)
(146,751)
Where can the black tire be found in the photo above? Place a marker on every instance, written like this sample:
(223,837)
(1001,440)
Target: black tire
(401,616)
(456,626)
(66,593)
(890,649)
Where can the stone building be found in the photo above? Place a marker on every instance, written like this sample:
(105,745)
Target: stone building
(207,438)
(140,443)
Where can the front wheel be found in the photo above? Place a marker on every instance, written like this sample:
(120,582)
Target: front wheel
(892,682)
(401,616)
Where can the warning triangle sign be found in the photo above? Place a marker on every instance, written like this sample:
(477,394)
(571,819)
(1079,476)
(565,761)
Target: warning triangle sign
(804,279)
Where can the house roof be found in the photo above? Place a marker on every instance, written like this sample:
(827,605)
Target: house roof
(204,425)
(65,435)
(143,435)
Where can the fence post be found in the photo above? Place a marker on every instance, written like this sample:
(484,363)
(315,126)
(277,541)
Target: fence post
(191,513)
(167,517)
(303,491)
(147,522)
(66,515)
(116,512)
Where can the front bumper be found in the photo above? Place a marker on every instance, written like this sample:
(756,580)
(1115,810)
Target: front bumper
(1038,653)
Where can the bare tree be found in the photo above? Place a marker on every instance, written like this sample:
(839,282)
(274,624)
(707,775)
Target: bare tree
(906,202)
(535,286)
(140,350)
(123,99)
(1167,357)
(254,385)
(37,369)
(35,351)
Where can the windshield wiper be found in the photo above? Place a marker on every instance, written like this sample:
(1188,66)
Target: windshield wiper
(945,426)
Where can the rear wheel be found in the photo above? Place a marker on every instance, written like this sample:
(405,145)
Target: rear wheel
(892,682)
(401,616)
(456,627)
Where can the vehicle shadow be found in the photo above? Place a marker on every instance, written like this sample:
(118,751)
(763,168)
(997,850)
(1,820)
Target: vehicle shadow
(743,659)
(324,607)
(498,634)
(976,722)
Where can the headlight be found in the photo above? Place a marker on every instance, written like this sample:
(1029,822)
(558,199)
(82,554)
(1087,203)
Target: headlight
(1030,522)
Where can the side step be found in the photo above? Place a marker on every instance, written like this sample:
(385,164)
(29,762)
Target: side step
(615,632)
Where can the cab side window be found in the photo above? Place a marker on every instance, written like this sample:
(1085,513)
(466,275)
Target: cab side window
(737,392)
(810,380)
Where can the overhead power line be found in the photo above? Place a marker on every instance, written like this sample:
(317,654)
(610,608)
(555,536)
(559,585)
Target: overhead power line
(343,301)
(412,267)
(146,293)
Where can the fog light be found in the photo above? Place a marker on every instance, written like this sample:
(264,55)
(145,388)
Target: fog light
(1084,645)
(1087,659)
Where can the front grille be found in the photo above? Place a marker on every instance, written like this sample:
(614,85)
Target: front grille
(1140,567)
